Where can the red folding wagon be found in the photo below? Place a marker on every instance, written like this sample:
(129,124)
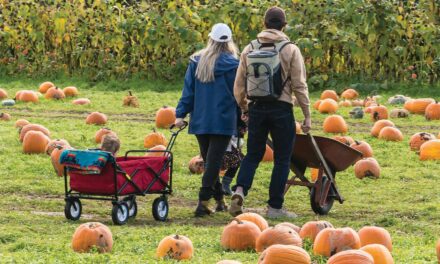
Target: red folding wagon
(119,180)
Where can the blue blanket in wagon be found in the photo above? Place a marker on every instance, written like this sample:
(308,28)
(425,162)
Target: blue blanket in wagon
(85,161)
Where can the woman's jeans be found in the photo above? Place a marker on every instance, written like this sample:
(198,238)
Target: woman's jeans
(277,119)
(212,149)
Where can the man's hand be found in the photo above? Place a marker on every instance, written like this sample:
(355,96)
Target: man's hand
(179,122)
(307,124)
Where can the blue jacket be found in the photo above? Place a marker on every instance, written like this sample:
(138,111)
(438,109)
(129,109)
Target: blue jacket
(212,105)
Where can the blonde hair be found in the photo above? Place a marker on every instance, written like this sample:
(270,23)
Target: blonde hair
(208,57)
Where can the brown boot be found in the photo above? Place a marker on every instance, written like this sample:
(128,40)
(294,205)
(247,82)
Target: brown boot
(221,205)
(203,209)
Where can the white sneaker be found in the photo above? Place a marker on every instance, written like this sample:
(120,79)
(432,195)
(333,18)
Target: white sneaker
(236,207)
(279,213)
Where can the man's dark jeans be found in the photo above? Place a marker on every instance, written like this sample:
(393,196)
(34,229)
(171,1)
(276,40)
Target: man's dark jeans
(277,119)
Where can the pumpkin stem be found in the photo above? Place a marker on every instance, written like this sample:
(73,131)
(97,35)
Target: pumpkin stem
(129,93)
(176,237)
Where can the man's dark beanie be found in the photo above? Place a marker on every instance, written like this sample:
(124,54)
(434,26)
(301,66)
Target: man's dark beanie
(275,15)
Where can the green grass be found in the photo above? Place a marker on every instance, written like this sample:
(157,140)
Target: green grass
(33,229)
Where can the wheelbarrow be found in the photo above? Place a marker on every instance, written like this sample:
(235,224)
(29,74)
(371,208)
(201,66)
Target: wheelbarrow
(328,156)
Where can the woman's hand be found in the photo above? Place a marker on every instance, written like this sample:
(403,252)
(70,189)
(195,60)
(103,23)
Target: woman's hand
(307,124)
(179,122)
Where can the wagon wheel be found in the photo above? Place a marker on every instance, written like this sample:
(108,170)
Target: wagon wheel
(160,208)
(328,203)
(132,206)
(73,209)
(120,213)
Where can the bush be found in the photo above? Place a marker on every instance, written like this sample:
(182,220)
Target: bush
(392,39)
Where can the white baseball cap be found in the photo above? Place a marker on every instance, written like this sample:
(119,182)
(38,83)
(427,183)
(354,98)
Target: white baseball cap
(221,33)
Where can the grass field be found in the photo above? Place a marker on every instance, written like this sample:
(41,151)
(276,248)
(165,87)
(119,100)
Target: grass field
(33,229)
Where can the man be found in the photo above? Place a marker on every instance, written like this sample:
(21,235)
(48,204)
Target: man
(270,116)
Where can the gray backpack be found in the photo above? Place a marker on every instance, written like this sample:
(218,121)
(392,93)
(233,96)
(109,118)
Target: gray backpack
(263,71)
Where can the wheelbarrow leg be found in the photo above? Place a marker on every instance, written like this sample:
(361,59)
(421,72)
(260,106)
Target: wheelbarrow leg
(329,173)
(298,171)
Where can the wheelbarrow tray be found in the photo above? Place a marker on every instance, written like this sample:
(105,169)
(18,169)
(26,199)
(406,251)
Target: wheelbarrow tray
(337,155)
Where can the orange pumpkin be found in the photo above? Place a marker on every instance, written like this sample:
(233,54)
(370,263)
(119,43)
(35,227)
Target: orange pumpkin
(130,100)
(328,106)
(175,247)
(165,117)
(350,94)
(70,91)
(344,140)
(3,94)
(81,101)
(432,111)
(390,134)
(268,154)
(254,218)
(96,118)
(285,254)
(20,123)
(35,142)
(54,144)
(379,253)
(363,147)
(157,151)
(311,229)
(45,86)
(33,127)
(290,225)
(377,127)
(314,174)
(417,140)
(196,165)
(335,124)
(375,235)
(379,112)
(430,150)
(316,104)
(101,133)
(154,139)
(92,235)
(240,235)
(351,257)
(277,235)
(418,106)
(5,116)
(54,93)
(345,103)
(329,94)
(367,167)
(55,159)
(27,96)
(331,241)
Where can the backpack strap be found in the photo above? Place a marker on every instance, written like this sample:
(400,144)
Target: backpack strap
(255,44)
(280,45)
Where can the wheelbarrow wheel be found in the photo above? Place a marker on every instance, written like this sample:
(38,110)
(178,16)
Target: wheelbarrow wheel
(132,206)
(120,213)
(73,209)
(160,208)
(316,207)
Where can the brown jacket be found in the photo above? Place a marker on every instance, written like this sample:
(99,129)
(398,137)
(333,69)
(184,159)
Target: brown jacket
(292,63)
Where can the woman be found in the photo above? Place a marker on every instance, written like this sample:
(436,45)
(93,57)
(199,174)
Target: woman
(209,98)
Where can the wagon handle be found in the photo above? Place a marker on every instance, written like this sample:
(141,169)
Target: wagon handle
(185,124)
